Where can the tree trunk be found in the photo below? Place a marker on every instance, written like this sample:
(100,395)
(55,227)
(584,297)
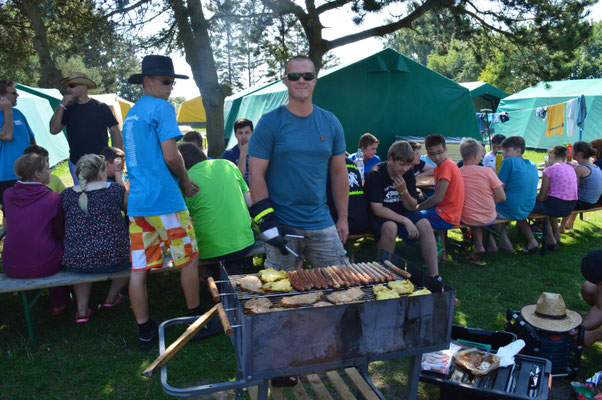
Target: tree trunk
(50,74)
(194,32)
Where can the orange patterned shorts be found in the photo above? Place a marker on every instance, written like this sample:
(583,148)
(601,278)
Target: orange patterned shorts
(149,237)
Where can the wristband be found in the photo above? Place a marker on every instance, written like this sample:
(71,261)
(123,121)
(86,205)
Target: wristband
(404,192)
(61,105)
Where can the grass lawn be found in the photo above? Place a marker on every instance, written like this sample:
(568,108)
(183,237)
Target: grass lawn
(98,360)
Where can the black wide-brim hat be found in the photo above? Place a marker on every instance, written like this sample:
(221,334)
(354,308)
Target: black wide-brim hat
(154,65)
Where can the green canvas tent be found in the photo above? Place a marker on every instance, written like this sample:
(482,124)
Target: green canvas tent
(484,95)
(386,94)
(523,122)
(38,107)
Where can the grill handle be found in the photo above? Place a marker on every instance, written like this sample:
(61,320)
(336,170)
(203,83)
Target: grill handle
(224,319)
(213,290)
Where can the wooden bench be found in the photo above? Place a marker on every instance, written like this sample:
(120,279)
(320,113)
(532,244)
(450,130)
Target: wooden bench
(360,387)
(65,278)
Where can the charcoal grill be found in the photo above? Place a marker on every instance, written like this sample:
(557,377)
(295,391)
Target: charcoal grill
(301,340)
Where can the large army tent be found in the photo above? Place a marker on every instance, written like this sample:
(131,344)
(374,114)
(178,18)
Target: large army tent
(192,112)
(386,94)
(119,106)
(38,107)
(484,95)
(521,108)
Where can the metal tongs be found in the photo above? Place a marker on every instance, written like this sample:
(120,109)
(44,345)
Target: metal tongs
(192,330)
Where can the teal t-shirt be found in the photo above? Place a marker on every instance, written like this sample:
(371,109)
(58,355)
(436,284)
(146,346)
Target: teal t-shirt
(10,151)
(219,213)
(299,151)
(521,179)
(154,189)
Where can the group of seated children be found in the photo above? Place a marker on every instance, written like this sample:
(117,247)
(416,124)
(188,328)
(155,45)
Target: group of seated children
(473,195)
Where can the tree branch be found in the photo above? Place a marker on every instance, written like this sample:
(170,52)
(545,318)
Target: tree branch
(405,22)
(126,9)
(330,6)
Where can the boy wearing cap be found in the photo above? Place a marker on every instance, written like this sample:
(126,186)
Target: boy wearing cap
(158,215)
(591,291)
(86,119)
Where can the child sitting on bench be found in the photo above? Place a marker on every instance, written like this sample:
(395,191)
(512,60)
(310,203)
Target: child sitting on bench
(483,191)
(96,236)
(444,208)
(557,197)
(33,246)
(589,181)
(519,178)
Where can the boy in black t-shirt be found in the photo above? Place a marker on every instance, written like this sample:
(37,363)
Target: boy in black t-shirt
(391,192)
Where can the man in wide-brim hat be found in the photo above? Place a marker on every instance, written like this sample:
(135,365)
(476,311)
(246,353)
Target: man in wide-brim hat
(591,291)
(87,120)
(550,314)
(158,215)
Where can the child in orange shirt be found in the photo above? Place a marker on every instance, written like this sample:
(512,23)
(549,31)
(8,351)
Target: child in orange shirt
(444,208)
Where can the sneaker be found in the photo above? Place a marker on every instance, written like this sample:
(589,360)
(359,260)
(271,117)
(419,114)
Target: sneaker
(147,341)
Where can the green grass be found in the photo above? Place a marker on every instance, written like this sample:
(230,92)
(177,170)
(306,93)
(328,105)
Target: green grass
(97,360)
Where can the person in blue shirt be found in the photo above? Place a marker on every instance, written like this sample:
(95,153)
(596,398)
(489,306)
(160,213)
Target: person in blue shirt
(368,144)
(15,136)
(520,179)
(239,154)
(158,215)
(290,154)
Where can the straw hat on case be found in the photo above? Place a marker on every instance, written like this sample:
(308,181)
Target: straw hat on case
(78,78)
(550,314)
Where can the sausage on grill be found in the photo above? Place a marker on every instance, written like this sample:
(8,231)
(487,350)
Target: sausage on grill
(293,278)
(369,272)
(328,273)
(363,277)
(378,267)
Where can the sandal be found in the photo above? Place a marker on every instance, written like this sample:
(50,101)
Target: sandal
(527,250)
(117,301)
(82,320)
(59,311)
(476,261)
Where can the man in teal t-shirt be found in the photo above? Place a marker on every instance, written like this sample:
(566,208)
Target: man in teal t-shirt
(219,210)
(290,153)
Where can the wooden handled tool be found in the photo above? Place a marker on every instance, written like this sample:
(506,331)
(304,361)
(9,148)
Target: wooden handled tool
(213,290)
(224,319)
(183,339)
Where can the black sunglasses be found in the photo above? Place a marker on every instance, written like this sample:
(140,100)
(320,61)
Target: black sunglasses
(294,76)
(166,82)
(13,93)
(72,85)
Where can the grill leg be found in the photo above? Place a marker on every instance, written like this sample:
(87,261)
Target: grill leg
(262,393)
(413,377)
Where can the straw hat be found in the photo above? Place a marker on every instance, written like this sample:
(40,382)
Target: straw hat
(155,65)
(78,78)
(550,314)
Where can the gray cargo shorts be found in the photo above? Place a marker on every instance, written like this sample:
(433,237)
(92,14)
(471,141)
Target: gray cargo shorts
(320,247)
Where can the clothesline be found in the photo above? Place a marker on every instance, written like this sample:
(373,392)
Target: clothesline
(532,109)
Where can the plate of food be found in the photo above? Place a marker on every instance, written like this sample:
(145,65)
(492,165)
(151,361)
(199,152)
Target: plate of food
(476,361)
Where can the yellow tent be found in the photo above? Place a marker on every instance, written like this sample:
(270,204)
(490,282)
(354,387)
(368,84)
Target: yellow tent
(119,107)
(192,111)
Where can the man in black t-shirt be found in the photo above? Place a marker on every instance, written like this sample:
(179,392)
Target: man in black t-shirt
(391,192)
(86,119)
(358,214)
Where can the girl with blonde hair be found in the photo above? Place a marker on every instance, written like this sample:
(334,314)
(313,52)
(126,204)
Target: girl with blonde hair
(96,235)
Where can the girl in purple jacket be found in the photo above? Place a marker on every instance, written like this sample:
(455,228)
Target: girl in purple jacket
(33,247)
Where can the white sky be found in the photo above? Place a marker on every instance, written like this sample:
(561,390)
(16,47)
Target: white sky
(339,23)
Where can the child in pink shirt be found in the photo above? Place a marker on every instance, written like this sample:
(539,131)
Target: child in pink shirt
(483,190)
(557,196)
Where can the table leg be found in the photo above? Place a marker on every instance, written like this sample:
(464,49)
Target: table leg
(414,376)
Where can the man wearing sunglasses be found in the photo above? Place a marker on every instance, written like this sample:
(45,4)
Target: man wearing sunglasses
(15,135)
(86,119)
(291,151)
